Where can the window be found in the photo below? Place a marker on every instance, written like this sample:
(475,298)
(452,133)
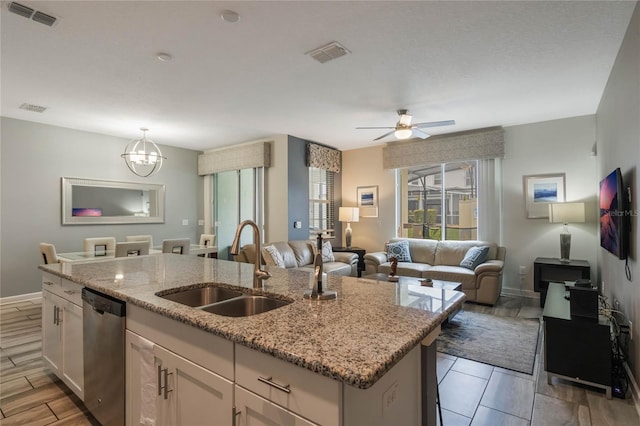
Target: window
(321,202)
(441,201)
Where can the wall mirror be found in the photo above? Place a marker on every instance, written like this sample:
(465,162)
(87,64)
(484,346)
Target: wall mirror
(102,202)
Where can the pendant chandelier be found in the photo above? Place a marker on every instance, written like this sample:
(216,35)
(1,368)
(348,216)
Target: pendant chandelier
(142,156)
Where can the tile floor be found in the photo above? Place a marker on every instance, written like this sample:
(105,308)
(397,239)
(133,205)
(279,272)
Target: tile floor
(471,393)
(478,394)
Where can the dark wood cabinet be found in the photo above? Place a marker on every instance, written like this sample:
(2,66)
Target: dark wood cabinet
(575,349)
(359,251)
(547,270)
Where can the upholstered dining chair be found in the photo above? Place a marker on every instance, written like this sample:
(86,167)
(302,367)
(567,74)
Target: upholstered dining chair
(208,240)
(132,248)
(178,246)
(149,238)
(99,245)
(48,252)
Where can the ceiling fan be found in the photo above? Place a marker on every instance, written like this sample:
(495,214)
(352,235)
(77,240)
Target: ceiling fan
(404,129)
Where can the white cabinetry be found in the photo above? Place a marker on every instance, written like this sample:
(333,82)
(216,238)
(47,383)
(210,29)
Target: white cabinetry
(181,392)
(62,331)
(252,410)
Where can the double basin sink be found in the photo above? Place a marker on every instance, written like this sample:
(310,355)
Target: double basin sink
(224,301)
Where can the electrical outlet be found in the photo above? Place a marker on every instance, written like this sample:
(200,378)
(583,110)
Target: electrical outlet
(616,304)
(631,330)
(185,222)
(523,270)
(200,222)
(602,289)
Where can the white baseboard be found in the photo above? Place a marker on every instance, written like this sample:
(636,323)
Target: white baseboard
(506,291)
(635,391)
(21,297)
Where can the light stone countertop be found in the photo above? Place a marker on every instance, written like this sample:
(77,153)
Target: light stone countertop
(355,339)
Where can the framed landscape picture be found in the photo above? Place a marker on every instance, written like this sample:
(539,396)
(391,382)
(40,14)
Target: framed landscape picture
(367,197)
(540,190)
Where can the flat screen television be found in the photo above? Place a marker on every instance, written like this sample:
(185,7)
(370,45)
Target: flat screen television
(613,215)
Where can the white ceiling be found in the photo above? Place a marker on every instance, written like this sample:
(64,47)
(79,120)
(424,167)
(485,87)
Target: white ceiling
(479,63)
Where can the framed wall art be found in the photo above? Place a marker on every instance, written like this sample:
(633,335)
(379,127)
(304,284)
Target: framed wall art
(367,197)
(540,190)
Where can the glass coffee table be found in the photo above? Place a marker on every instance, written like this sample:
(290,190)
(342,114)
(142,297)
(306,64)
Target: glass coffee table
(411,292)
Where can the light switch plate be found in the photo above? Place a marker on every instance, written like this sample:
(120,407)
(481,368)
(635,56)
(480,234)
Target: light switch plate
(185,222)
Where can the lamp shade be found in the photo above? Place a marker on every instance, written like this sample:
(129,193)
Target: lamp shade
(349,214)
(566,212)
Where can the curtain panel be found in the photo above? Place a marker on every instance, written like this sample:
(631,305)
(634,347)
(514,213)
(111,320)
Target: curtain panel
(471,145)
(321,157)
(235,158)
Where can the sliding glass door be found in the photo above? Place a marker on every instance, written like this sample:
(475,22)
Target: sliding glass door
(236,197)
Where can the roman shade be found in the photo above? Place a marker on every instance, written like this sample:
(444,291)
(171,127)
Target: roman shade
(235,158)
(325,158)
(471,145)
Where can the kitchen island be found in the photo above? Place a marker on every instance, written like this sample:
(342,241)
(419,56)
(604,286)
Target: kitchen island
(371,354)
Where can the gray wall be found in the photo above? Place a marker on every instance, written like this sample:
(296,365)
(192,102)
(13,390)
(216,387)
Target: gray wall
(35,156)
(618,142)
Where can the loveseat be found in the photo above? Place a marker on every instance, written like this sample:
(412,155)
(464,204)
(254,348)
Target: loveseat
(440,260)
(299,254)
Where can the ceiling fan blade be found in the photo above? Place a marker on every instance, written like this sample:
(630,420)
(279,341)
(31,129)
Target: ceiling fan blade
(386,127)
(419,133)
(435,124)
(384,136)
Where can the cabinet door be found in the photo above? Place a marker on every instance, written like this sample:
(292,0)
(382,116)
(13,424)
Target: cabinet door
(51,346)
(72,358)
(252,410)
(194,395)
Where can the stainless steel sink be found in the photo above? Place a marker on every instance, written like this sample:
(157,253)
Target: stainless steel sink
(201,296)
(245,306)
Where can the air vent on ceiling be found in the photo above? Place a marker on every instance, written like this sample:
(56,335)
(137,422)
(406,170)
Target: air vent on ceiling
(328,52)
(33,108)
(29,13)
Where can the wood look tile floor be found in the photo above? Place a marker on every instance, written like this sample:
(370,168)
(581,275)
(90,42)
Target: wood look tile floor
(471,393)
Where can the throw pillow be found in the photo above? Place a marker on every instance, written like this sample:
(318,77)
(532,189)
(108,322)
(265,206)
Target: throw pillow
(327,252)
(272,256)
(474,257)
(399,250)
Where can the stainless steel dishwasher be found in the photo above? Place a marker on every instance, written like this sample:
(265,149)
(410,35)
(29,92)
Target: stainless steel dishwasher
(103,350)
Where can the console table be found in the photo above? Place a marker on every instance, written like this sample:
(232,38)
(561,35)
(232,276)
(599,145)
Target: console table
(578,350)
(546,270)
(359,251)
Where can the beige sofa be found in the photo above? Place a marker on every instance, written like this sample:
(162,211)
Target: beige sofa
(440,260)
(299,254)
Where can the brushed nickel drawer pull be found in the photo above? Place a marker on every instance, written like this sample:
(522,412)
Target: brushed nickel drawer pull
(47,282)
(268,381)
(70,292)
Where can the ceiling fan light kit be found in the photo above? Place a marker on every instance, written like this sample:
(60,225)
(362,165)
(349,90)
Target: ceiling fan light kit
(404,129)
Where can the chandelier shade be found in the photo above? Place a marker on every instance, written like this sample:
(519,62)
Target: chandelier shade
(142,156)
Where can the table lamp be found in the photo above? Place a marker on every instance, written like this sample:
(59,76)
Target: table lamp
(566,213)
(348,214)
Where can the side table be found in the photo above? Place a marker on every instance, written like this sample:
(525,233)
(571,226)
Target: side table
(359,251)
(546,270)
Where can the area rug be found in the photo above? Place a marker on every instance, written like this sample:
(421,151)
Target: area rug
(500,341)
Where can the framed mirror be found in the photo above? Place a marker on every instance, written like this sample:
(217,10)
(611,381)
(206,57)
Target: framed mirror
(106,202)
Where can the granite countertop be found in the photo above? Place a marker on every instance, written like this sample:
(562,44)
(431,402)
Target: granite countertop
(355,339)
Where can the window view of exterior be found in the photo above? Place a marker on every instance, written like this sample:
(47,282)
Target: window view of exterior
(442,201)
(321,202)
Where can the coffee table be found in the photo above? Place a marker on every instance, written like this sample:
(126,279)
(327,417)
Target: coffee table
(437,298)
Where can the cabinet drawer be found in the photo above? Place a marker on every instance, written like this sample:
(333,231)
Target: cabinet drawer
(311,395)
(52,283)
(253,410)
(72,292)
